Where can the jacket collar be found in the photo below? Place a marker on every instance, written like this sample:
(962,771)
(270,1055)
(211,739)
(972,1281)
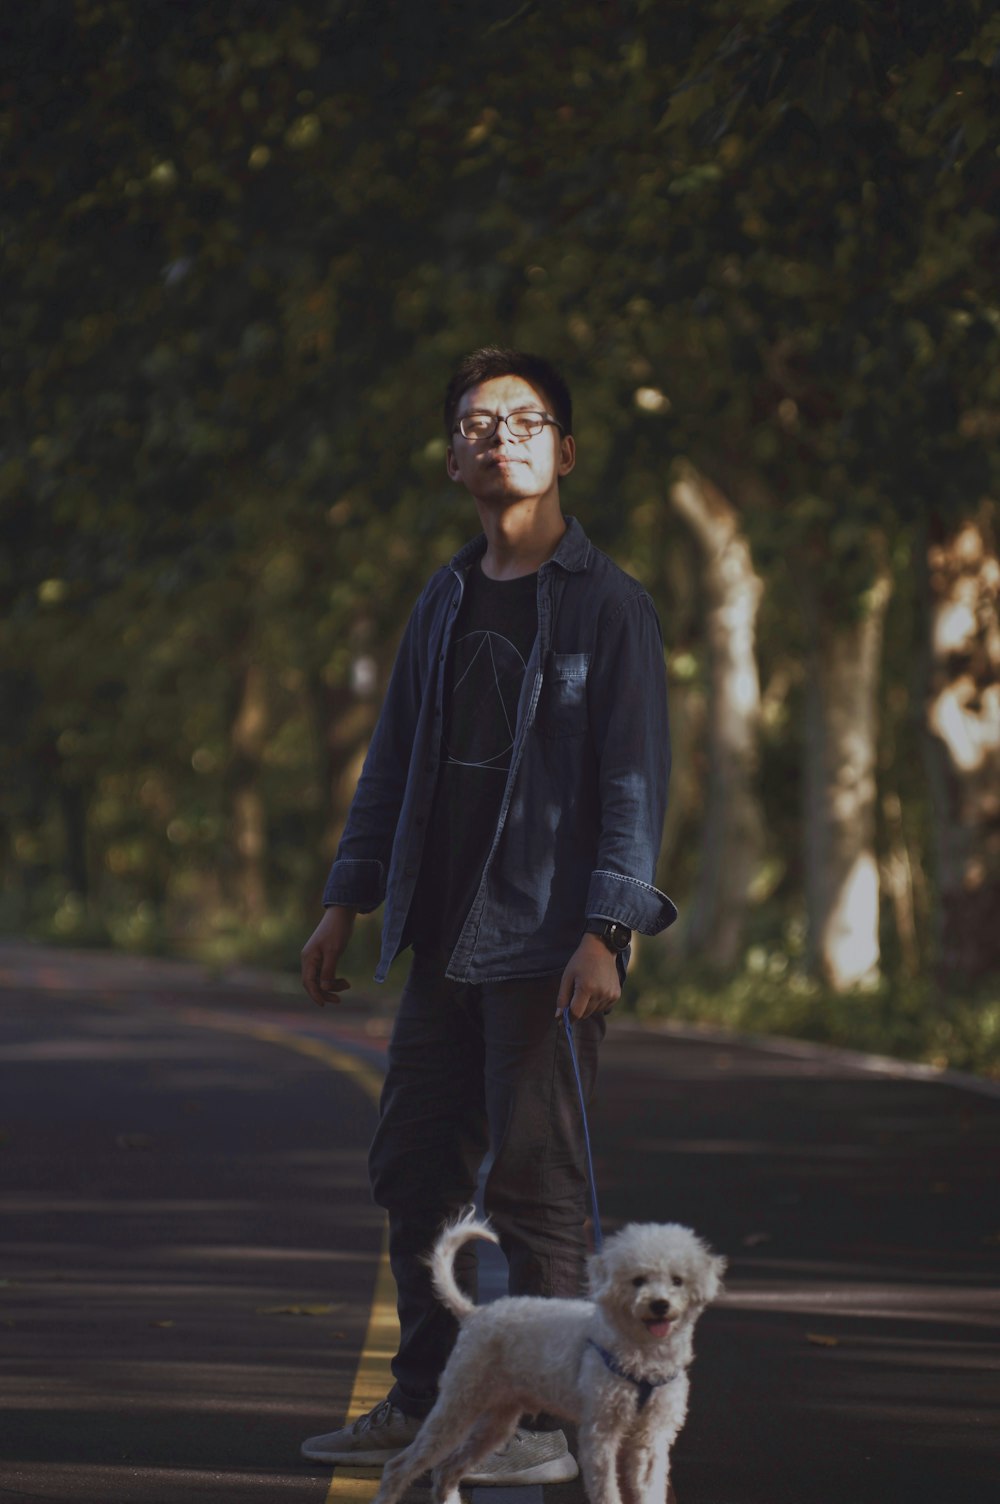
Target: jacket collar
(572,553)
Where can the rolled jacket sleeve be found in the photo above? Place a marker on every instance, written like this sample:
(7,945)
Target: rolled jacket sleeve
(628,713)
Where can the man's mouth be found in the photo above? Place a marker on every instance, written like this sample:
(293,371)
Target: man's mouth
(658,1327)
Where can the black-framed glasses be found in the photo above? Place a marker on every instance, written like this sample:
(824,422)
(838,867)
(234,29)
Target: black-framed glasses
(520,425)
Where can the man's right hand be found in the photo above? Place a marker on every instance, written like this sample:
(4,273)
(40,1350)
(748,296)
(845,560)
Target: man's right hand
(322,952)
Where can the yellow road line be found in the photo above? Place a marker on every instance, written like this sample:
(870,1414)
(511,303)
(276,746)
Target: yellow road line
(373,1377)
(347,1065)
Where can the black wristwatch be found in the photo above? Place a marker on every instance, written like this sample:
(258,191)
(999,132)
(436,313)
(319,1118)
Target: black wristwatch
(615,936)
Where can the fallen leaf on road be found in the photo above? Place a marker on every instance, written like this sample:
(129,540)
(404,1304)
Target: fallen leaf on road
(819,1339)
(133,1141)
(294,1310)
(161,1323)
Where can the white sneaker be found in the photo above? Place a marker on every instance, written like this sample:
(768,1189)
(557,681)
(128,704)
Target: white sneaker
(370,1440)
(529,1457)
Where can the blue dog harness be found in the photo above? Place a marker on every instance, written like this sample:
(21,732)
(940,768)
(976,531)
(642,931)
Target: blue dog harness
(644,1386)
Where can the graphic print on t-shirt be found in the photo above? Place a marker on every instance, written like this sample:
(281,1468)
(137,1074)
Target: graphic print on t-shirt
(495,629)
(488,673)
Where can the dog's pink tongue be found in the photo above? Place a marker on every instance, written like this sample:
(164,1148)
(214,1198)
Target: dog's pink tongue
(658,1328)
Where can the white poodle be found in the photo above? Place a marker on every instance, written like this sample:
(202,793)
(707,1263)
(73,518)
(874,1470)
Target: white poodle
(615,1364)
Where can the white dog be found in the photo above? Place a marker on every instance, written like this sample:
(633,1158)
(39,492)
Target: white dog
(615,1364)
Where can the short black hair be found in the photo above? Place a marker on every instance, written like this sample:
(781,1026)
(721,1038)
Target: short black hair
(491,361)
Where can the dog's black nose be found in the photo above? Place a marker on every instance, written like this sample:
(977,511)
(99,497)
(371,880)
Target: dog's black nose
(659,1309)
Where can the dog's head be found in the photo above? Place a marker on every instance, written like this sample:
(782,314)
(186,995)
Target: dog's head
(653,1279)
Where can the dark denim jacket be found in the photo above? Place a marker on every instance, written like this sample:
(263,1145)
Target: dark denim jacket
(582,814)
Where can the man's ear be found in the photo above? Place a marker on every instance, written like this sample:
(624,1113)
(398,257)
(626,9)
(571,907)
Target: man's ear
(567,453)
(451,465)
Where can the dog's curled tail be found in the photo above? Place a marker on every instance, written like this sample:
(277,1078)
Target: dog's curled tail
(442,1261)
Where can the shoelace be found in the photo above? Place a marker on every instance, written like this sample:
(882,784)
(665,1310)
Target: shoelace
(382,1411)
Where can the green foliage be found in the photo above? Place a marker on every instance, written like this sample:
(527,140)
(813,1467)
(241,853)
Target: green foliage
(243,245)
(910,1020)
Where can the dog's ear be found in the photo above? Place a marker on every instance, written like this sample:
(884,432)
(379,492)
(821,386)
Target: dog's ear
(710,1278)
(597,1275)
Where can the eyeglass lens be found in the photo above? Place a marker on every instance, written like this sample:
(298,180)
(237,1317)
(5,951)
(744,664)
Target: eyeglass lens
(519,425)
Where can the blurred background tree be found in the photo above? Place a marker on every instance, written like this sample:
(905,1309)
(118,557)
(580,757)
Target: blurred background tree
(243,246)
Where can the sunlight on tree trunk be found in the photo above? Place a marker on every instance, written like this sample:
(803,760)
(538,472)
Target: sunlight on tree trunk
(963,716)
(733,836)
(842,881)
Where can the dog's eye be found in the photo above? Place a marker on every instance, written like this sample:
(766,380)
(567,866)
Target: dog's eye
(639,1281)
(675,1279)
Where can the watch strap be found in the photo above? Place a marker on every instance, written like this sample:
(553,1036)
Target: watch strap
(615,936)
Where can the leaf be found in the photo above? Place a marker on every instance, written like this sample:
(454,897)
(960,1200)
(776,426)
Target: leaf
(820,1339)
(134,1141)
(161,1323)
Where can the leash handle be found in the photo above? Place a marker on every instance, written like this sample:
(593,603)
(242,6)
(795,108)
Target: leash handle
(598,1234)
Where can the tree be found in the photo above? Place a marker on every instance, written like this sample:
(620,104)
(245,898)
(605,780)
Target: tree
(732,841)
(964,722)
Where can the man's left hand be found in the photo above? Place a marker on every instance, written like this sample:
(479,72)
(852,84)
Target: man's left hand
(590,982)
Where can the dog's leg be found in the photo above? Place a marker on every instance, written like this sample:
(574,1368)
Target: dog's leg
(644,1468)
(400,1471)
(659,1472)
(491,1430)
(598,1456)
(439,1435)
(395,1477)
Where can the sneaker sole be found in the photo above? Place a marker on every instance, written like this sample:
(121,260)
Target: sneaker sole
(558,1470)
(354,1459)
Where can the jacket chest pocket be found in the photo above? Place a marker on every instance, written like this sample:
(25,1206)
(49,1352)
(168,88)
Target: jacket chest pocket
(562,704)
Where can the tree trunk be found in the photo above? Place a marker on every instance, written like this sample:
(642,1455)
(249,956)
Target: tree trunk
(732,845)
(842,879)
(963,716)
(249,816)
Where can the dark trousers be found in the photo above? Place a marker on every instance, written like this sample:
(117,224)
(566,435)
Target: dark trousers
(471,1068)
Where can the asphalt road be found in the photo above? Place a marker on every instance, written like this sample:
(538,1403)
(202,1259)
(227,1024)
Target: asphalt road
(188,1252)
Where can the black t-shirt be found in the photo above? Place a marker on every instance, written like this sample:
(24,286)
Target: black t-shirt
(493,637)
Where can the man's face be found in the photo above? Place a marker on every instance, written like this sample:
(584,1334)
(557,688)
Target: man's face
(502,469)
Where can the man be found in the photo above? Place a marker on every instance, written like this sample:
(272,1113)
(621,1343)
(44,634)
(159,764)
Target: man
(509,815)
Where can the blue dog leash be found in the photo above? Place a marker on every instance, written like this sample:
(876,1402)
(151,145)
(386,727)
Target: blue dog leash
(598,1235)
(644,1387)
